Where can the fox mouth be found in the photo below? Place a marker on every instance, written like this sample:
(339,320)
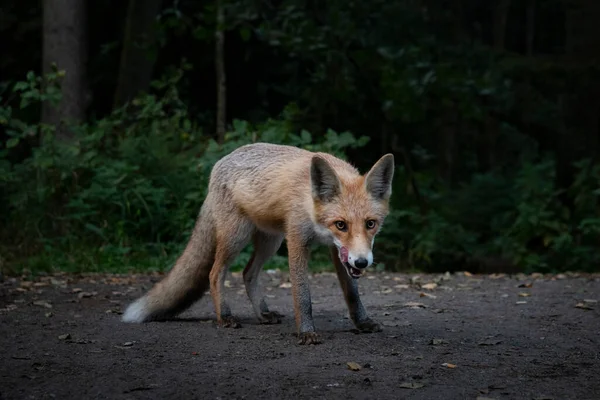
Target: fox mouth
(354,273)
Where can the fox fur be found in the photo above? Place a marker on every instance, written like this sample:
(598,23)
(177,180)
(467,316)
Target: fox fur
(264,193)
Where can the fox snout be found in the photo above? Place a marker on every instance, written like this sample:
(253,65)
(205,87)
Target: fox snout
(359,260)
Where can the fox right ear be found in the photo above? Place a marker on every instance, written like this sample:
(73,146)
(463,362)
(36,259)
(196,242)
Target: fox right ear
(324,181)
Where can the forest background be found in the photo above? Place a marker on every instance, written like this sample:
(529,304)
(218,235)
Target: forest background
(113,112)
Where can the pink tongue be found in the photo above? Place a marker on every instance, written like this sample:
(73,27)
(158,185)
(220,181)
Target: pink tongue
(344,254)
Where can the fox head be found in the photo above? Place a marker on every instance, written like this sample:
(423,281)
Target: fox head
(350,208)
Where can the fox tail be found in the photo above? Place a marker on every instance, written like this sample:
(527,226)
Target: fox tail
(185,283)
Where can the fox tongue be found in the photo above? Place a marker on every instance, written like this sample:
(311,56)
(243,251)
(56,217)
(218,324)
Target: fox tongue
(344,254)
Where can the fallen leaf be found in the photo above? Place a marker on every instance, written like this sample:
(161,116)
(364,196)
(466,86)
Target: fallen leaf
(227,284)
(467,273)
(49,314)
(42,303)
(411,385)
(437,342)
(386,290)
(526,285)
(521,302)
(76,290)
(429,286)
(490,342)
(583,306)
(590,301)
(127,344)
(65,336)
(86,294)
(26,284)
(389,323)
(448,365)
(352,366)
(431,296)
(285,285)
(523,294)
(20,289)
(401,286)
(41,284)
(412,304)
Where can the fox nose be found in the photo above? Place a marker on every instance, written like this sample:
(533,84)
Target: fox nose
(361,263)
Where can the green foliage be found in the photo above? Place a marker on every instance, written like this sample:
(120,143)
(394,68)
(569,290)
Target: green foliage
(519,218)
(127,187)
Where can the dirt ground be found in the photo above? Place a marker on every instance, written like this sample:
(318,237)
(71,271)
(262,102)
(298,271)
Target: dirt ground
(451,336)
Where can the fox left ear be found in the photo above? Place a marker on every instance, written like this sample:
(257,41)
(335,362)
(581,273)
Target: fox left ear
(379,178)
(324,181)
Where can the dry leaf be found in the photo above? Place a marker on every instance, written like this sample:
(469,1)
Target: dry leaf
(590,301)
(412,304)
(411,385)
(583,306)
(431,296)
(526,285)
(429,286)
(41,284)
(490,342)
(523,294)
(448,365)
(467,273)
(401,286)
(86,294)
(49,314)
(352,366)
(76,290)
(386,290)
(42,303)
(285,285)
(227,284)
(521,302)
(65,336)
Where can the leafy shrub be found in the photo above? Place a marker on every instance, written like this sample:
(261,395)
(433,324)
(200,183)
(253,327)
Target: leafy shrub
(127,187)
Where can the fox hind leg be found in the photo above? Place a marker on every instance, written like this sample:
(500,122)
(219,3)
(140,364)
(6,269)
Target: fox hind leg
(232,237)
(265,246)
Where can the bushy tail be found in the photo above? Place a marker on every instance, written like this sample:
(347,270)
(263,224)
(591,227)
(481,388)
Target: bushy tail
(185,283)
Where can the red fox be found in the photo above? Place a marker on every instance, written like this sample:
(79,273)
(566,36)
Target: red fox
(266,192)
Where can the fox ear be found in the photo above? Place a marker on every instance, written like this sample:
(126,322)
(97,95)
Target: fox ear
(324,181)
(379,178)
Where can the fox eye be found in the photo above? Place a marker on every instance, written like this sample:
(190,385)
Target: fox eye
(370,224)
(341,225)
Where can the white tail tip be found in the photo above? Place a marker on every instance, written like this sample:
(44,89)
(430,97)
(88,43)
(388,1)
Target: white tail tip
(136,312)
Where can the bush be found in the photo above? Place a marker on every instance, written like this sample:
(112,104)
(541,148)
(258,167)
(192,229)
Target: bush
(126,190)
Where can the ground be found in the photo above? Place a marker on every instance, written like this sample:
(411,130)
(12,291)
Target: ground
(452,336)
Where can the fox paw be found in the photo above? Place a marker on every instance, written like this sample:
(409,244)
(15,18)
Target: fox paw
(309,338)
(270,317)
(229,322)
(368,326)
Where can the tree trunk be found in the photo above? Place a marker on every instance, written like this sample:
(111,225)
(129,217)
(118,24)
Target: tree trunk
(220,72)
(500,19)
(579,138)
(138,55)
(64,43)
(530,27)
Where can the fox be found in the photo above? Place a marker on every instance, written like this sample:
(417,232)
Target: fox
(264,193)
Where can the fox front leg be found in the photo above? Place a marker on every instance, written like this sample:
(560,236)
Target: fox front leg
(298,261)
(357,311)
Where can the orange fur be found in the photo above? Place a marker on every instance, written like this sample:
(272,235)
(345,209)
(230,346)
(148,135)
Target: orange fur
(265,192)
